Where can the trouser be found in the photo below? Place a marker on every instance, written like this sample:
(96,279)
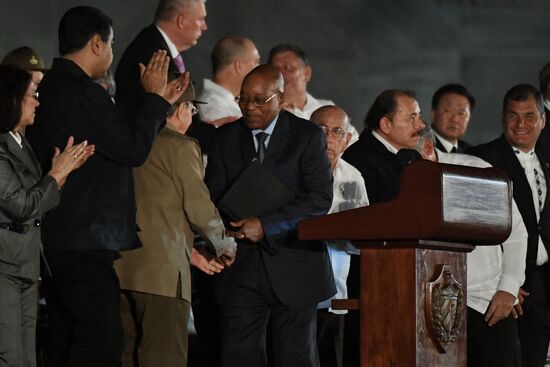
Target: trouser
(534,325)
(492,346)
(155,329)
(83,300)
(244,319)
(330,338)
(18,307)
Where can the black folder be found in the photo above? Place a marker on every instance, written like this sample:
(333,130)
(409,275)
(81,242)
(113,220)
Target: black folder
(254,192)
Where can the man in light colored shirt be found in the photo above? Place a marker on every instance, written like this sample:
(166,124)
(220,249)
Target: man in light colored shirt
(495,275)
(518,154)
(451,111)
(349,192)
(232,58)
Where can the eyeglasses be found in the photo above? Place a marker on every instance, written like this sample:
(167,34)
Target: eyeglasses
(194,110)
(335,133)
(243,100)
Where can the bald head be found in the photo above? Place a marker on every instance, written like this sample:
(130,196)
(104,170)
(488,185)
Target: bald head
(233,49)
(331,113)
(261,96)
(334,121)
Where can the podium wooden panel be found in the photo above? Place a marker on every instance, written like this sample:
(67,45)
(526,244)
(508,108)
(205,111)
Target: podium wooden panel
(422,235)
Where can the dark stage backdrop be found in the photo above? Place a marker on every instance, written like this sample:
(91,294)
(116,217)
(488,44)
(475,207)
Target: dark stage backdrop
(357,47)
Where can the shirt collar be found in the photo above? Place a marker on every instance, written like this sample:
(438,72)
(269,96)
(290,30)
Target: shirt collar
(547,105)
(524,155)
(173,49)
(269,129)
(15,135)
(386,143)
(446,144)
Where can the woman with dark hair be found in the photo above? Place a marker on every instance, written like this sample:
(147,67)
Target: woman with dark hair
(24,196)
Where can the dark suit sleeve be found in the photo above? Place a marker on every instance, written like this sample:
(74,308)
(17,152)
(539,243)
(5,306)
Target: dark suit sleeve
(314,197)
(124,142)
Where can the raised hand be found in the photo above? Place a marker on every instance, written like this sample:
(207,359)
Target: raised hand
(72,157)
(154,76)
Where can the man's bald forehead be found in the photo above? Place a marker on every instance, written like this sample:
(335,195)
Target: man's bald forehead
(322,112)
(268,73)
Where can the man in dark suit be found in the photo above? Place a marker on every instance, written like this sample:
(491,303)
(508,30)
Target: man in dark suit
(393,122)
(276,278)
(452,105)
(516,153)
(96,216)
(177,26)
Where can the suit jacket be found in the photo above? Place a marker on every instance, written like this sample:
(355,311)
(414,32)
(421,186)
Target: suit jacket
(462,146)
(24,197)
(97,209)
(173,203)
(501,155)
(299,271)
(129,89)
(379,167)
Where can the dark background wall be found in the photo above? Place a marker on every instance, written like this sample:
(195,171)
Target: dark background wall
(357,47)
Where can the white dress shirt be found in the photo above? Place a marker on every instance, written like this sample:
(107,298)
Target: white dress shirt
(18,139)
(386,143)
(493,268)
(446,144)
(349,192)
(219,102)
(530,162)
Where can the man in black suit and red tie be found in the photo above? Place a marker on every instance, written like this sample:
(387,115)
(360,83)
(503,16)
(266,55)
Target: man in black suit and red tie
(277,278)
(519,154)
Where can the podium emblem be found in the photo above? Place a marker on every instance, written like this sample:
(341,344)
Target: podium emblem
(444,308)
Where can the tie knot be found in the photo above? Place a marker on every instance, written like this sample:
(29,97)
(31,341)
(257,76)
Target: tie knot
(261,137)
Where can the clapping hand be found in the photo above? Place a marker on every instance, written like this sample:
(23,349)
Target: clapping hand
(72,157)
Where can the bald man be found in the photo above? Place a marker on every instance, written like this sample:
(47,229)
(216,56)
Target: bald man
(276,278)
(349,193)
(232,58)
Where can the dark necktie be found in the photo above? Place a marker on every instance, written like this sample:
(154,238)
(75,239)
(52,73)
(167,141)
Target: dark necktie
(454,150)
(261,137)
(539,189)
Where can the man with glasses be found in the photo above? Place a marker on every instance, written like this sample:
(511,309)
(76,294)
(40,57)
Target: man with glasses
(169,191)
(451,110)
(393,122)
(277,278)
(349,193)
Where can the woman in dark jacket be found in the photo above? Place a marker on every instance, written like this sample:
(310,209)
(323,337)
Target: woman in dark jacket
(24,196)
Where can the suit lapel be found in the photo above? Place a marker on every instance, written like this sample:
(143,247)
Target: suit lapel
(277,141)
(522,190)
(25,155)
(246,145)
(172,68)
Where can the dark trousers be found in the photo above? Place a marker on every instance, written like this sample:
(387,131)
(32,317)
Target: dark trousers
(18,307)
(534,325)
(84,304)
(330,338)
(155,329)
(495,346)
(244,321)
(206,315)
(351,322)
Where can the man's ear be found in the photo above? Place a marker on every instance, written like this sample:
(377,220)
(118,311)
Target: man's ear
(307,73)
(348,139)
(180,19)
(238,66)
(385,125)
(95,44)
(428,150)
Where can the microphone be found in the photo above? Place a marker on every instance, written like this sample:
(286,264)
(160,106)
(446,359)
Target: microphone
(407,156)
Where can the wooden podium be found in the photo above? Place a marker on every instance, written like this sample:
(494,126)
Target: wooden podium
(413,260)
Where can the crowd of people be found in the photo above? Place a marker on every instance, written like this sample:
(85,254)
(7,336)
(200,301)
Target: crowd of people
(125,229)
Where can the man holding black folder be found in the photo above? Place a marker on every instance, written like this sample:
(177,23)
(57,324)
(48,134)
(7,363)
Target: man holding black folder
(276,278)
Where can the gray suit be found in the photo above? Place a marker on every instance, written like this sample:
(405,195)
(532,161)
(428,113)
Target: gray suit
(24,197)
